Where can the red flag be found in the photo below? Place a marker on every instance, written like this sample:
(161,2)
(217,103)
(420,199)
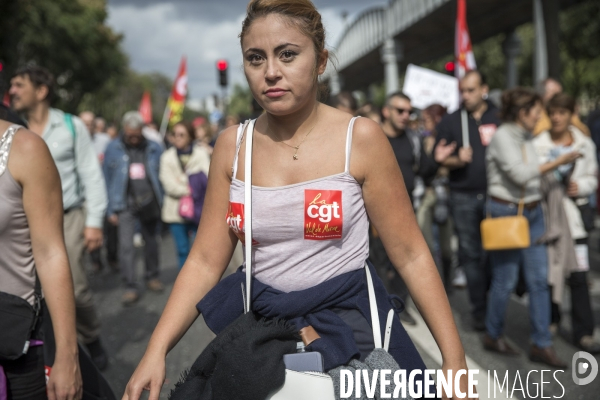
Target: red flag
(178,94)
(465,60)
(146,107)
(6,99)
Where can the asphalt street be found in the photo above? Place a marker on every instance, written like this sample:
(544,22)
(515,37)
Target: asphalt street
(126,331)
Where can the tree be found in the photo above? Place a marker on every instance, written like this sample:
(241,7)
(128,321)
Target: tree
(122,93)
(69,37)
(240,101)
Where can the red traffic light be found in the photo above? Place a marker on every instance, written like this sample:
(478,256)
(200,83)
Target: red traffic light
(222,65)
(449,66)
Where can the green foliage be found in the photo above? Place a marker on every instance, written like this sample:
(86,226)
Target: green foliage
(240,101)
(580,49)
(122,93)
(69,37)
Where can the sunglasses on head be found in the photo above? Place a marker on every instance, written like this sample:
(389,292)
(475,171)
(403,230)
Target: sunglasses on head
(403,110)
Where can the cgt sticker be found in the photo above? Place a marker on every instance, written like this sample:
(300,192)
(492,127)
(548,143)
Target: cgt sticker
(235,220)
(486,133)
(323,215)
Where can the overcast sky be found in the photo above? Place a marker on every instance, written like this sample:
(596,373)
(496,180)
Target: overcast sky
(157,33)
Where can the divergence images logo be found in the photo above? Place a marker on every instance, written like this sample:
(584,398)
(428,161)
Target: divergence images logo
(580,368)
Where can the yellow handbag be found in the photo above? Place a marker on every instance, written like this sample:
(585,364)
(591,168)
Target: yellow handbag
(506,233)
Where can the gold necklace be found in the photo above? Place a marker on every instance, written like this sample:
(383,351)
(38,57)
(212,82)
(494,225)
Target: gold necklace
(295,156)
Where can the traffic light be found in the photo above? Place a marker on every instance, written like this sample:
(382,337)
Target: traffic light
(222,66)
(449,67)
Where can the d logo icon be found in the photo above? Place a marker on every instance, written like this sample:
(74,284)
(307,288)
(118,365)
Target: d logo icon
(583,367)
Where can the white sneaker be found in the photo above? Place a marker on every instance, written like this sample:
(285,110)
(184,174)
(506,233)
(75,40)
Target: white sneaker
(460,279)
(138,241)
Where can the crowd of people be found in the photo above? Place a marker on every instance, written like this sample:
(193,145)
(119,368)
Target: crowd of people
(480,162)
(529,155)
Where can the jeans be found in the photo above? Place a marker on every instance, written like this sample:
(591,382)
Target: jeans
(184,235)
(127,224)
(505,273)
(468,210)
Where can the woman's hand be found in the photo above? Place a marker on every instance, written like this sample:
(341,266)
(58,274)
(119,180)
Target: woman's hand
(65,379)
(463,387)
(149,375)
(568,158)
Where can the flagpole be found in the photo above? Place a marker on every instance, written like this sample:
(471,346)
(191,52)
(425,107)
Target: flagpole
(165,120)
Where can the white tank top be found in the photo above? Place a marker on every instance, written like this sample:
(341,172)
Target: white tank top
(305,233)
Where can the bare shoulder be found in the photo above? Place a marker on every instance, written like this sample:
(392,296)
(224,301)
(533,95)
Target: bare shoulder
(30,157)
(27,143)
(224,151)
(367,133)
(369,143)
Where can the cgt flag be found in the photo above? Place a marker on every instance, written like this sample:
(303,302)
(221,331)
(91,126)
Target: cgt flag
(465,60)
(146,107)
(177,100)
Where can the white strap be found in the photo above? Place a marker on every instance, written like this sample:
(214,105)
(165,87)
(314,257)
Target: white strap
(349,143)
(374,312)
(388,329)
(248,212)
(238,144)
(464,122)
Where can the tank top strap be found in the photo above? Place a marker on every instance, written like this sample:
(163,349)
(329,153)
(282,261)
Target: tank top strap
(5,145)
(238,141)
(349,144)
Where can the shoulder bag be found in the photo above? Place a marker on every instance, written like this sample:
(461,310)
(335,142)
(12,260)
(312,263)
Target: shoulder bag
(300,385)
(507,233)
(18,320)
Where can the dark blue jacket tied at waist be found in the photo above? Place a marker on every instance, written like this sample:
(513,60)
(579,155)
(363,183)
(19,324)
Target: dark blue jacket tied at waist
(312,306)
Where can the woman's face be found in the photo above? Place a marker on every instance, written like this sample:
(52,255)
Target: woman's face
(428,122)
(280,64)
(181,138)
(200,132)
(529,119)
(560,119)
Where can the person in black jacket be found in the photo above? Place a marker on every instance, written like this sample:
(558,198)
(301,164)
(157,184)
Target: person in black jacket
(468,182)
(417,167)
(408,147)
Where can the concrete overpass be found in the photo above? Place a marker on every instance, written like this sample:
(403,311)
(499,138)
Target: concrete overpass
(381,41)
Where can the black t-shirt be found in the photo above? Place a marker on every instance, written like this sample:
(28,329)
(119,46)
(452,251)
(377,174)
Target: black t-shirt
(405,156)
(472,178)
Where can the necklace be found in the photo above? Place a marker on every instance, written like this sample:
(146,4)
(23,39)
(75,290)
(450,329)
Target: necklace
(295,156)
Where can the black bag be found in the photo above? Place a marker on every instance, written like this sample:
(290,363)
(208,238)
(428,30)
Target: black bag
(588,214)
(18,319)
(147,208)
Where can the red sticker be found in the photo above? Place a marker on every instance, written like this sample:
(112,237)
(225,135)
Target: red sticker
(486,133)
(323,217)
(235,220)
(137,171)
(47,371)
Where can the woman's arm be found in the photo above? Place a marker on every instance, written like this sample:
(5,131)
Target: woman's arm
(208,259)
(33,168)
(174,181)
(391,212)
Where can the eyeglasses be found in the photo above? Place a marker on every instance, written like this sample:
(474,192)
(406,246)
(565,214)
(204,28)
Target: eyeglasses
(403,110)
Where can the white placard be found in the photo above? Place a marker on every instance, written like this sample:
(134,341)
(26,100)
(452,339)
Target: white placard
(426,87)
(583,261)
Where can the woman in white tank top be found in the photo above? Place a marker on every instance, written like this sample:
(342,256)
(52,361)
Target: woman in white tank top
(316,175)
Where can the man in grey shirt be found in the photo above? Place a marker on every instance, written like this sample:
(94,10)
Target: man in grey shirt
(82,185)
